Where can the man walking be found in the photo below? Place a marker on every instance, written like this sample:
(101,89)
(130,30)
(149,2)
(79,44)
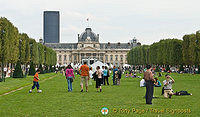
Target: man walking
(148,77)
(84,70)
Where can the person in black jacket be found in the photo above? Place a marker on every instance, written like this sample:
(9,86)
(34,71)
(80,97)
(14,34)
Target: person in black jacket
(119,75)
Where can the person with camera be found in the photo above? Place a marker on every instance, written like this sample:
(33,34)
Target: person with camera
(168,86)
(149,82)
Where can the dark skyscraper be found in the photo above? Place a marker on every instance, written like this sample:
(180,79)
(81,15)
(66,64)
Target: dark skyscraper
(51,28)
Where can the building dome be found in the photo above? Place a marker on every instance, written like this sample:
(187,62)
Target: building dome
(88,35)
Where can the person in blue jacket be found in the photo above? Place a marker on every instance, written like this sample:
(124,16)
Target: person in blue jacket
(114,70)
(157,83)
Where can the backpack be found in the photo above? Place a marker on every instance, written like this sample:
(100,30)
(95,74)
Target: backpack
(182,93)
(95,76)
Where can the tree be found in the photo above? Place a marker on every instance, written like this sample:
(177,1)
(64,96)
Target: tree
(164,52)
(32,69)
(41,69)
(41,53)
(35,53)
(10,39)
(18,71)
(24,48)
(16,47)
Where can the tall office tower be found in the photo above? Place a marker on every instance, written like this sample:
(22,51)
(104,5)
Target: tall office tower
(51,27)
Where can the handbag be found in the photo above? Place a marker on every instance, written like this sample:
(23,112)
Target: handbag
(71,79)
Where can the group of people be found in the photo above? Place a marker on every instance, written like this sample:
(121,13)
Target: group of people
(150,82)
(117,75)
(6,72)
(101,76)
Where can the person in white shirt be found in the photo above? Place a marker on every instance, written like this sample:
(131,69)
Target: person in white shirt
(90,75)
(5,71)
(168,86)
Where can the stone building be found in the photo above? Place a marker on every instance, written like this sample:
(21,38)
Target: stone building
(89,48)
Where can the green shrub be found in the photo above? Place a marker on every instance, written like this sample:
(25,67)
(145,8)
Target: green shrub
(18,71)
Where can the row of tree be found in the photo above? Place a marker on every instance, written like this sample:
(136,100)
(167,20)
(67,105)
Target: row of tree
(19,47)
(168,52)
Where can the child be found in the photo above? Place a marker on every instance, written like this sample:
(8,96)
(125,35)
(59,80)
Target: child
(168,86)
(35,82)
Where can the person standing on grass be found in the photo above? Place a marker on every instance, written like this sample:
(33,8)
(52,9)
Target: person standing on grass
(114,75)
(35,82)
(119,75)
(69,76)
(99,79)
(84,69)
(103,83)
(106,75)
(91,77)
(149,82)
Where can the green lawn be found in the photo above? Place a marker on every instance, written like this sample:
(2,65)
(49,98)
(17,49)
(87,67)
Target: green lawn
(124,100)
(14,83)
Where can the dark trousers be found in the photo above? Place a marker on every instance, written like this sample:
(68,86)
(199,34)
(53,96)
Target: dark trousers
(162,91)
(114,81)
(149,91)
(103,80)
(35,84)
(106,79)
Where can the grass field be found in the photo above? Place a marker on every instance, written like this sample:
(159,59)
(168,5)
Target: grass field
(124,100)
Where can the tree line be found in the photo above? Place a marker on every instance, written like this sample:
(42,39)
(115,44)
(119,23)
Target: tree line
(168,52)
(18,47)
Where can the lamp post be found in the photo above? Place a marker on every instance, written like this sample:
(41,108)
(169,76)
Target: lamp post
(2,51)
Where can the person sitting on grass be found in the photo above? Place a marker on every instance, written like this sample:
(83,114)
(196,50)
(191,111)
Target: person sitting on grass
(127,75)
(35,82)
(134,75)
(157,83)
(168,86)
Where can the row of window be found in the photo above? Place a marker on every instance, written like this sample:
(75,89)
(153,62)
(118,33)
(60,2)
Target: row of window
(101,57)
(116,58)
(95,53)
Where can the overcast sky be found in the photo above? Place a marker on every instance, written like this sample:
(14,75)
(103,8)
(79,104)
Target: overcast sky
(115,20)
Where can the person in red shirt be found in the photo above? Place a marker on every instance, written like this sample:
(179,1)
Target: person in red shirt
(35,82)
(84,69)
